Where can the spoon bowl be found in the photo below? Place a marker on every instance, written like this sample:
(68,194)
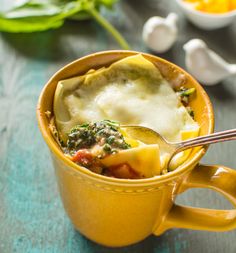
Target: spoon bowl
(149,136)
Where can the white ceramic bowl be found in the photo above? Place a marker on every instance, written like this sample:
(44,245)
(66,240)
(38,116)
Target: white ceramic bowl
(204,20)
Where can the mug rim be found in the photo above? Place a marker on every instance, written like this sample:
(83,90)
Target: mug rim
(55,149)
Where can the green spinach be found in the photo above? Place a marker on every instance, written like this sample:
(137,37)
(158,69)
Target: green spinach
(41,15)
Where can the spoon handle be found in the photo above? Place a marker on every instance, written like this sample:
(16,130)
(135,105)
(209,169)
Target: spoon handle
(207,139)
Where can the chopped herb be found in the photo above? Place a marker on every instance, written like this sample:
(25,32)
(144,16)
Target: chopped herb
(184,94)
(75,128)
(113,124)
(104,134)
(111,139)
(190,111)
(37,15)
(107,148)
(114,151)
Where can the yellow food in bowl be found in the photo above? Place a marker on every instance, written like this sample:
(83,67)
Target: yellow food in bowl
(212,6)
(131,91)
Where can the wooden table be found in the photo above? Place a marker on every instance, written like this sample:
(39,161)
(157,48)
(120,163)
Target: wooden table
(31,215)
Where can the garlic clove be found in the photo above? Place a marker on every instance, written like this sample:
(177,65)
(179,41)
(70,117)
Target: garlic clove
(159,34)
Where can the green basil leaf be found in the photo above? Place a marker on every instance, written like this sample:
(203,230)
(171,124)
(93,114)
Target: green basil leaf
(36,8)
(7,5)
(41,15)
(28,25)
(38,23)
(30,10)
(82,15)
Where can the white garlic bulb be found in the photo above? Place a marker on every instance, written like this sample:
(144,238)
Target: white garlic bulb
(205,65)
(159,34)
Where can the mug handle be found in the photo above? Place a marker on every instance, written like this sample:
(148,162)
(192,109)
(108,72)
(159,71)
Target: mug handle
(215,177)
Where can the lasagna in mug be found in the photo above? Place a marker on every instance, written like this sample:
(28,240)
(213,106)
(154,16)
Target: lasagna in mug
(90,110)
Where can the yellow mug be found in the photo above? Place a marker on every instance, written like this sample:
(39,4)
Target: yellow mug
(119,212)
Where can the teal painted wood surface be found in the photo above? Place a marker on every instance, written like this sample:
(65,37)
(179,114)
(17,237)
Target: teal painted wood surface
(32,218)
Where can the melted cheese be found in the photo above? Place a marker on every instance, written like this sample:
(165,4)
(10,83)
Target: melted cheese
(130,91)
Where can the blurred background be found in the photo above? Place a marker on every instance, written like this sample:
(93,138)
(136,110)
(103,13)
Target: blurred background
(32,218)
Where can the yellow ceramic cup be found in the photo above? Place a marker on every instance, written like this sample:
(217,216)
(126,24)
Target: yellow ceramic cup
(119,212)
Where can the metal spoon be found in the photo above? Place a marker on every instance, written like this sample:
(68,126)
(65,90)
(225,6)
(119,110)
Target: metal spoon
(149,136)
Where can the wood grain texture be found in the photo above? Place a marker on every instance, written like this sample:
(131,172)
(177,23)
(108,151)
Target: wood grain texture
(32,218)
